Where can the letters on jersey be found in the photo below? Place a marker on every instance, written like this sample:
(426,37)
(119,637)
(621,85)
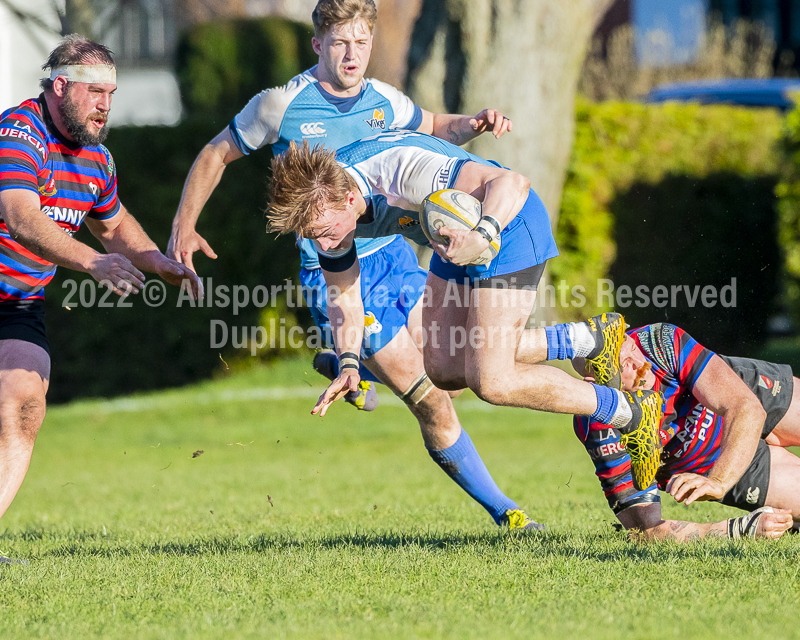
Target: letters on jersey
(70,181)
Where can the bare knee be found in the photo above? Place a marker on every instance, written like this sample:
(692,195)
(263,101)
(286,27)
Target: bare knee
(489,388)
(22,409)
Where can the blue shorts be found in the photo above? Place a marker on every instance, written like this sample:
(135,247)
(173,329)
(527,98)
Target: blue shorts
(525,242)
(392,283)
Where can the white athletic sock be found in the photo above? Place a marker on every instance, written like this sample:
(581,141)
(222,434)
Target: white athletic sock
(583,341)
(623,415)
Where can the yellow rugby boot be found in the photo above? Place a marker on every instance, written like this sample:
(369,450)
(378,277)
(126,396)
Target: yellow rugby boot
(603,361)
(365,398)
(641,439)
(518,520)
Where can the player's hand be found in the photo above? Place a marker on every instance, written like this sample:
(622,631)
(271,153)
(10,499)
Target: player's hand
(117,272)
(774,525)
(183,244)
(182,276)
(347,381)
(691,487)
(491,120)
(463,246)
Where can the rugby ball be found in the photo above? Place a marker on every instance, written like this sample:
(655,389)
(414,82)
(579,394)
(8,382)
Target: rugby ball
(454,209)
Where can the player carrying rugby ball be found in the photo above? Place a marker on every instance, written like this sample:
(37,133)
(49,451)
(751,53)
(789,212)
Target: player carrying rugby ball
(366,188)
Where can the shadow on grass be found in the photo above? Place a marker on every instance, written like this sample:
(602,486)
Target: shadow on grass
(604,547)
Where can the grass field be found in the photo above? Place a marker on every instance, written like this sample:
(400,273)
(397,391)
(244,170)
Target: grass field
(292,526)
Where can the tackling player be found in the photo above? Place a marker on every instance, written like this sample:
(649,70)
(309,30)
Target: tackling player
(54,174)
(474,317)
(332,104)
(712,403)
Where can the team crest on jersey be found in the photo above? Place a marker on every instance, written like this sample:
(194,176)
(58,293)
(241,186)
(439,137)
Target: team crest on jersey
(371,324)
(48,189)
(377,121)
(109,161)
(406,222)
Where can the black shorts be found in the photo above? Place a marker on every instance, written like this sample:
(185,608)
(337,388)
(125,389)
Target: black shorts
(24,320)
(772,383)
(525,279)
(751,490)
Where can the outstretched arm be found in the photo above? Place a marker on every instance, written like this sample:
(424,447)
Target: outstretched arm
(123,235)
(460,129)
(722,391)
(203,178)
(346,311)
(645,523)
(38,233)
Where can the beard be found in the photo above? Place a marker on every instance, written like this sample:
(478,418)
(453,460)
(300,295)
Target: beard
(80,129)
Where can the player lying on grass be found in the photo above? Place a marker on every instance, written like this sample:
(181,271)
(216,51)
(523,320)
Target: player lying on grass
(712,404)
(376,189)
(333,104)
(54,174)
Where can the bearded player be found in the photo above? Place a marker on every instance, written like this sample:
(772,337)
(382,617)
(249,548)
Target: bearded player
(727,424)
(54,173)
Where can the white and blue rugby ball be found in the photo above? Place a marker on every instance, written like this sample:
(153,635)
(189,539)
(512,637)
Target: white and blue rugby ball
(454,209)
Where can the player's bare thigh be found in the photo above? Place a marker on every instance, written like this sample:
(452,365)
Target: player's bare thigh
(784,481)
(444,320)
(787,432)
(496,321)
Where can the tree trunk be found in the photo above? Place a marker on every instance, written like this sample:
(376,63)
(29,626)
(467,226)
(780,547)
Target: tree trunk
(522,57)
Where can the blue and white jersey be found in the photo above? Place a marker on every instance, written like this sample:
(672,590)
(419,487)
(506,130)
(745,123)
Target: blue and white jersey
(395,171)
(303,110)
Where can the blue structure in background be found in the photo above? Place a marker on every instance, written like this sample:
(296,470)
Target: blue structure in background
(668,32)
(774,92)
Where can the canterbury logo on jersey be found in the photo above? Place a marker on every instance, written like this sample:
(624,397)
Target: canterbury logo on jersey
(62,214)
(378,120)
(312,129)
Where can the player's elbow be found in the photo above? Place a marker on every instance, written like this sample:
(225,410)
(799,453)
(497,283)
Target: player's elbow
(520,183)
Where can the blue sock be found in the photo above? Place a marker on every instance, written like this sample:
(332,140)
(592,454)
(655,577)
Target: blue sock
(607,403)
(365,373)
(463,464)
(559,344)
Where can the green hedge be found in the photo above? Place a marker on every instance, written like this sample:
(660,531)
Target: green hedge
(789,212)
(221,65)
(674,195)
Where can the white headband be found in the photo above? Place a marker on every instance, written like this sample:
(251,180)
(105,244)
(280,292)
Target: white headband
(91,73)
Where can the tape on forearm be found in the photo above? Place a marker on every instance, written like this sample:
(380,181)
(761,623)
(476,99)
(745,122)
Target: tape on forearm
(489,228)
(91,73)
(348,360)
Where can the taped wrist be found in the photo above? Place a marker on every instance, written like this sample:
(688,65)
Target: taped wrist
(489,228)
(746,526)
(348,360)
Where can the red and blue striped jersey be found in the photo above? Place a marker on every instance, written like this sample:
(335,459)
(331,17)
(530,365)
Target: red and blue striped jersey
(690,433)
(71,182)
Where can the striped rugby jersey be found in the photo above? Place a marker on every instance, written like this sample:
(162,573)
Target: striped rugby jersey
(71,182)
(690,433)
